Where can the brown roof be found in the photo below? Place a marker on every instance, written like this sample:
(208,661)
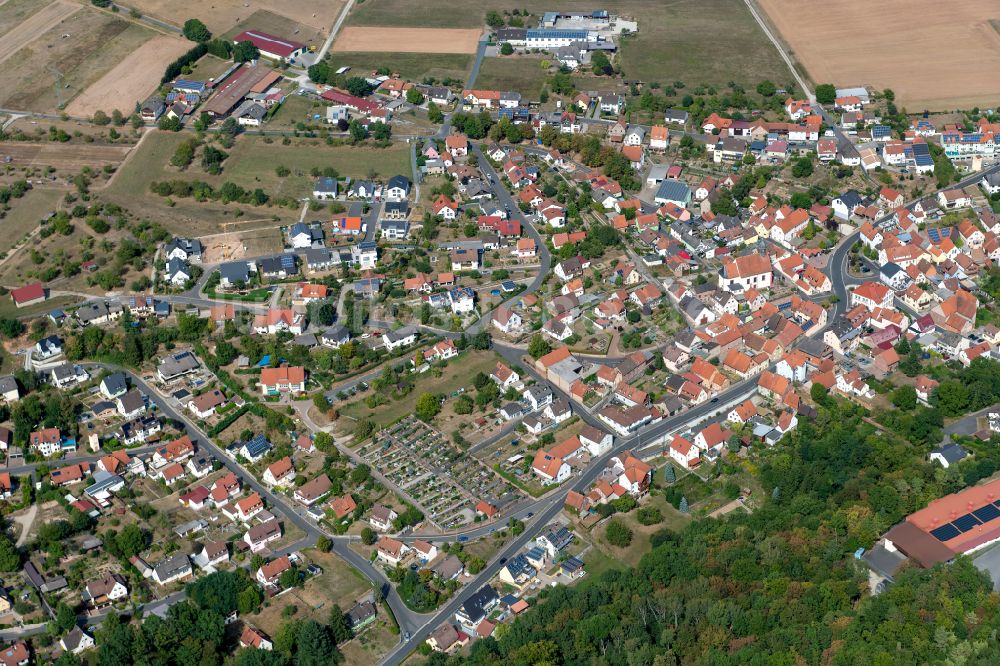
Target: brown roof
(263,531)
(236,88)
(391,546)
(274,568)
(280,468)
(315,488)
(918,545)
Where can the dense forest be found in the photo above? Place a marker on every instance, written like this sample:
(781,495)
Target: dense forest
(780,585)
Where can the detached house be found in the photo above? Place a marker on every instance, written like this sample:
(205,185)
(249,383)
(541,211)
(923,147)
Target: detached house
(248,507)
(269,574)
(283,379)
(280,473)
(506,320)
(684,453)
(390,551)
(549,469)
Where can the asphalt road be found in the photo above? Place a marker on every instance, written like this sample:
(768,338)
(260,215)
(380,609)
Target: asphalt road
(543,510)
(480,52)
(505,199)
(550,507)
(407,619)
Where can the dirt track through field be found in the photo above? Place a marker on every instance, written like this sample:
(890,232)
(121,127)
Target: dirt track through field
(934,55)
(38,24)
(131,80)
(408,40)
(223,15)
(66,157)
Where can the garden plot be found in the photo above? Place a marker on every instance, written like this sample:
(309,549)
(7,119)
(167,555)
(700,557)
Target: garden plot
(435,474)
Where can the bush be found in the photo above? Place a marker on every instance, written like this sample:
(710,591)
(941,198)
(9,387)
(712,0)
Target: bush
(649,515)
(617,533)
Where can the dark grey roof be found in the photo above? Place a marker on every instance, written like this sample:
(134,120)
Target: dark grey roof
(884,561)
(178,363)
(400,334)
(890,269)
(475,606)
(63,371)
(511,409)
(360,613)
(271,265)
(337,333)
(189,245)
(306,340)
(172,566)
(235,271)
(402,206)
(511,34)
(251,109)
(359,185)
(50,344)
(7,383)
(951,452)
(73,639)
(175,266)
(115,383)
(325,185)
(850,198)
(91,311)
(399,181)
(318,256)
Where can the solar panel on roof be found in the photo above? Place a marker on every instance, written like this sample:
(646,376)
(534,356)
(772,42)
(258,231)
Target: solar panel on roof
(987,513)
(966,522)
(945,532)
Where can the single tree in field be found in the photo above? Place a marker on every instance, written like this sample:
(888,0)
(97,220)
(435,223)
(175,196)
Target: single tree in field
(196,31)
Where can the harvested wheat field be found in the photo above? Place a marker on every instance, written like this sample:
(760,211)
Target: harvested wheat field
(67,157)
(131,80)
(34,26)
(67,59)
(223,15)
(408,40)
(934,55)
